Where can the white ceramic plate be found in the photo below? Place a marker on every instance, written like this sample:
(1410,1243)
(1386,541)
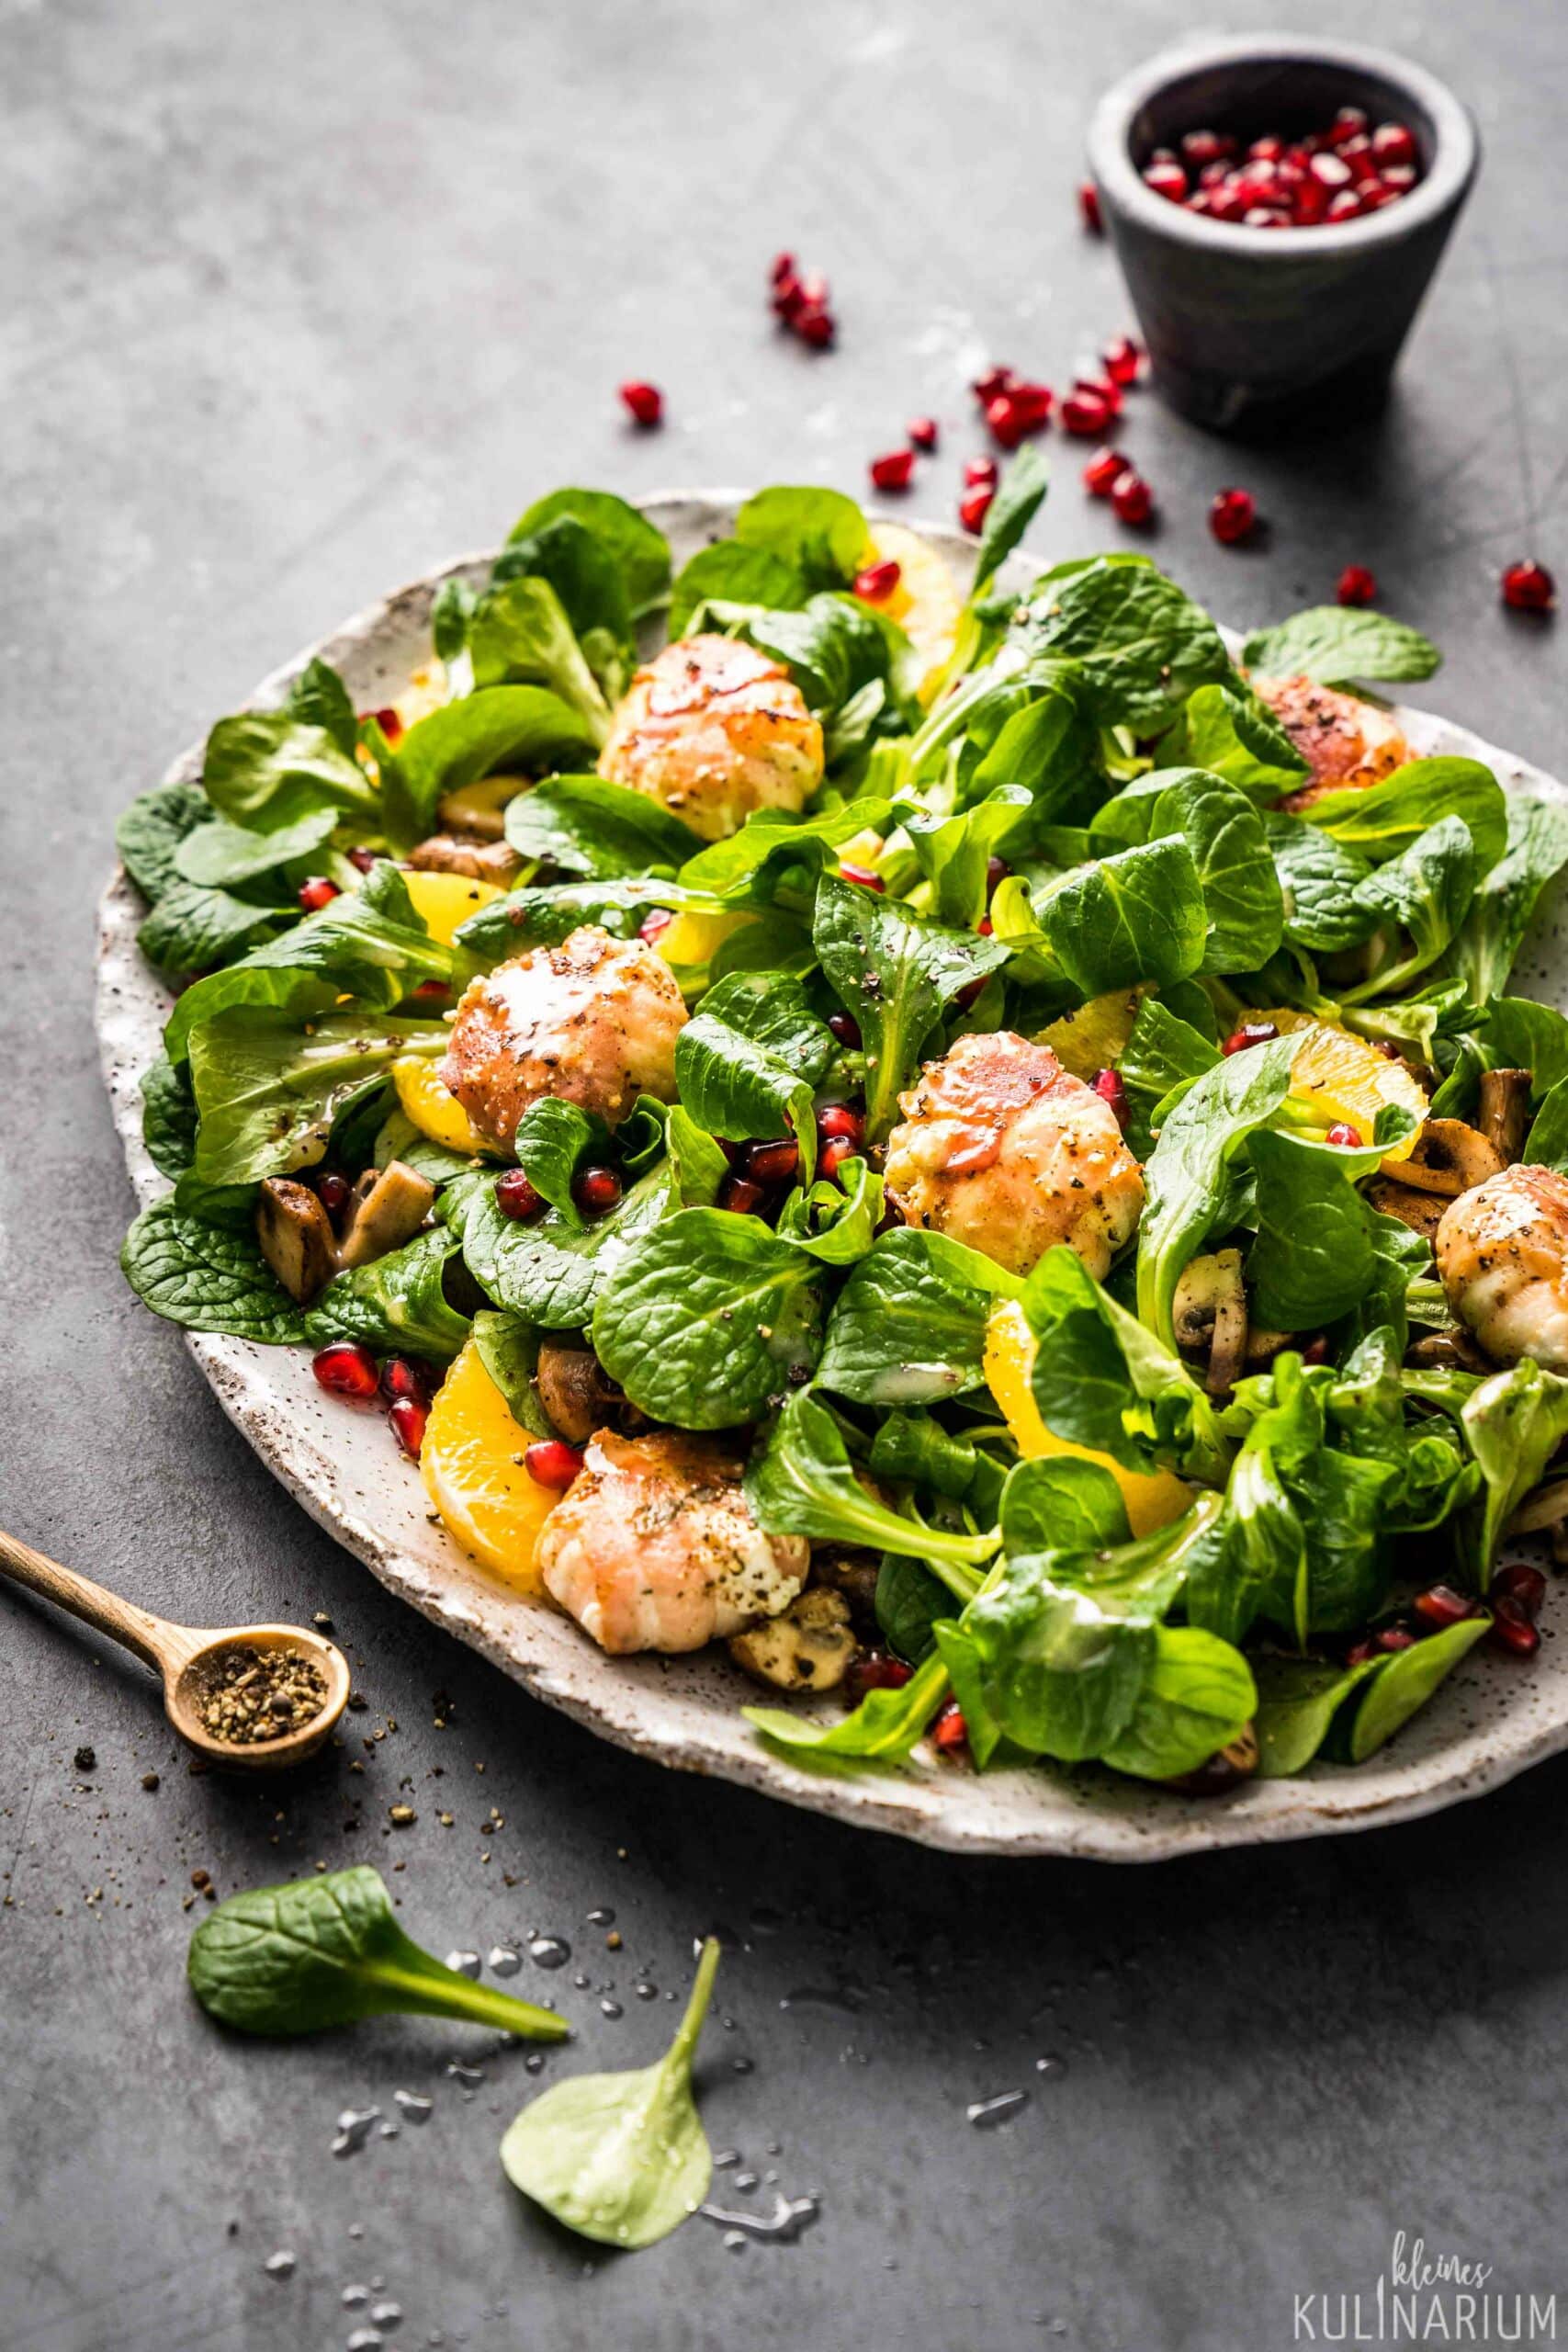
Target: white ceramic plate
(1487,1724)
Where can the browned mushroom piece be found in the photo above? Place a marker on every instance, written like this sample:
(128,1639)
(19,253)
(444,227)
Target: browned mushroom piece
(1225,1770)
(575,1391)
(850,1570)
(390,1206)
(1211,1312)
(1452,1350)
(1448,1158)
(1263,1346)
(296,1236)
(808,1647)
(1422,1212)
(1505,1111)
(482,861)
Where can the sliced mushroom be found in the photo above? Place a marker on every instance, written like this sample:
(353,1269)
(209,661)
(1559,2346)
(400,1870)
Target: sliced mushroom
(809,1647)
(575,1391)
(1263,1346)
(850,1569)
(1422,1212)
(1448,1158)
(1211,1311)
(479,808)
(1226,1768)
(1447,1352)
(392,1207)
(1548,1507)
(482,861)
(296,1236)
(1505,1111)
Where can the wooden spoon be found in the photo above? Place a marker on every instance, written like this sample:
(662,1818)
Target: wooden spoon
(186,1656)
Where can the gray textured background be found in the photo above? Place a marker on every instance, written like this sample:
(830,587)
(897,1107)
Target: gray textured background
(295,300)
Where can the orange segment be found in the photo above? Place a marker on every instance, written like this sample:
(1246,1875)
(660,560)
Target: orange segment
(1095,1037)
(1345,1076)
(926,604)
(472,1464)
(444,900)
(426,1104)
(1152,1501)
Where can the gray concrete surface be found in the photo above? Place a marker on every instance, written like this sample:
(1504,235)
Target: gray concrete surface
(294,299)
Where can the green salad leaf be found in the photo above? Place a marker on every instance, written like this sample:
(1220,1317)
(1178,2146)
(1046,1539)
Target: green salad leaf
(585,824)
(708,1318)
(207,1277)
(820,533)
(507,730)
(909,1328)
(1337,644)
(396,1305)
(803,1482)
(637,547)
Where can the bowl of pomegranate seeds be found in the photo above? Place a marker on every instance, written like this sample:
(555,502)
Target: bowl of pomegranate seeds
(1278,206)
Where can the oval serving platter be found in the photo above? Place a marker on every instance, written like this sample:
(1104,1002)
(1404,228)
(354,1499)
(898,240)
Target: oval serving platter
(1488,1723)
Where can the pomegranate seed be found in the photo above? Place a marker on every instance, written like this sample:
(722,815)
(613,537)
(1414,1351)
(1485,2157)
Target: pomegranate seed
(430,989)
(1004,421)
(645,402)
(347,1369)
(317,892)
(996,872)
(1232,515)
(1133,499)
(1400,177)
(1349,123)
(876,1670)
(1309,203)
(1265,216)
(363,858)
(783,267)
(1267,149)
(597,1190)
(863,877)
(516,1197)
(388,720)
(788,300)
(333,1192)
(815,327)
(408,1418)
(1123,360)
(837,1123)
(1167,180)
(1387,1048)
(1346,205)
(1511,1630)
(1357,155)
(1085,414)
(1523,1584)
(877,581)
(1315,1351)
(1251,1033)
(1103,472)
(550,1461)
(1528,587)
(834,1156)
(740,1195)
(1440,1606)
(1108,1085)
(974,508)
(654,924)
(1356,586)
(399,1379)
(814,290)
(949,1733)
(1330,172)
(1227,204)
(845,1027)
(1207,147)
(980,474)
(968,996)
(1394,1637)
(1358,1653)
(1393,142)
(894,471)
(922,432)
(994,381)
(1213,175)
(1089,208)
(1349,1139)
(1101,389)
(772,1163)
(985,929)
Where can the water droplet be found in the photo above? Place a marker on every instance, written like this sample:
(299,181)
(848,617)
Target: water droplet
(746,2182)
(645,1991)
(726,2158)
(789,2217)
(353,2129)
(391,2131)
(281,2265)
(365,2339)
(502,1960)
(824,1997)
(602,1917)
(468,2075)
(612,2008)
(741,2065)
(351,2297)
(534,2061)
(416,2107)
(549,1951)
(997,2109)
(1053,2063)
(582,1982)
(387,2314)
(466,1963)
(357,2228)
(735,2241)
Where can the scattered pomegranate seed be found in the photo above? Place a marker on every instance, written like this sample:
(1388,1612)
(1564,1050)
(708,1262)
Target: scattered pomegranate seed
(1349,1139)
(837,1123)
(895,471)
(645,402)
(1123,360)
(740,1195)
(834,1156)
(1528,587)
(1393,1637)
(1089,208)
(1085,414)
(1440,1606)
(516,1197)
(317,892)
(876,1671)
(388,720)
(985,929)
(1167,180)
(996,872)
(949,1733)
(430,989)
(1358,1653)
(980,474)
(597,1190)
(845,1027)
(1101,387)
(1315,1351)
(363,858)
(1511,1630)
(815,327)
(922,432)
(408,1418)
(877,581)
(550,1461)
(347,1369)
(1131,498)
(655,923)
(975,506)
(1523,1584)
(1108,1085)
(1103,472)
(783,267)
(1356,586)
(332,1191)
(772,1163)
(1019,408)
(1251,1033)
(400,1378)
(863,877)
(1232,515)
(994,380)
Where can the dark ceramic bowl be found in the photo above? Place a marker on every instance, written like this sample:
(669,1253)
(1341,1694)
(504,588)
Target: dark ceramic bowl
(1247,328)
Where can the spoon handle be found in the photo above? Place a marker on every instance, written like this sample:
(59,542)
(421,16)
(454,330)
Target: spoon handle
(137,1628)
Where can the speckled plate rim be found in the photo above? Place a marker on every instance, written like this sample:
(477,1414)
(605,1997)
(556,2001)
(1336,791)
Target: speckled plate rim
(1489,1723)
